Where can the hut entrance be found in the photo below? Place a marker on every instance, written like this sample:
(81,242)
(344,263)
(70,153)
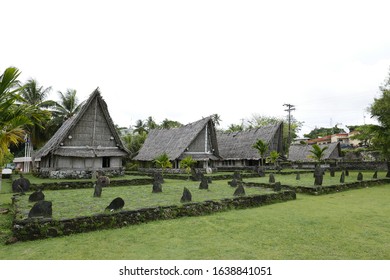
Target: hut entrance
(106,162)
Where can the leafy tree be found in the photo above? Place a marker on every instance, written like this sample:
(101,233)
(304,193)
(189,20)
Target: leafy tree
(187,164)
(150,123)
(36,96)
(134,142)
(163,161)
(380,110)
(262,148)
(321,132)
(317,153)
(167,124)
(140,127)
(235,128)
(216,119)
(68,105)
(13,117)
(273,157)
(365,134)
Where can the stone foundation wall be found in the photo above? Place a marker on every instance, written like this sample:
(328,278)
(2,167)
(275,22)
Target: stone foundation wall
(76,174)
(31,229)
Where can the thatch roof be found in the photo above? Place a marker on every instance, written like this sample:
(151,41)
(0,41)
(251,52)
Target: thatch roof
(238,145)
(302,152)
(175,141)
(56,144)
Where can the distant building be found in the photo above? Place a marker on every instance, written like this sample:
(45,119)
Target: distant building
(197,139)
(236,148)
(301,153)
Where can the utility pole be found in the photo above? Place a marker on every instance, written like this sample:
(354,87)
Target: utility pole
(289,109)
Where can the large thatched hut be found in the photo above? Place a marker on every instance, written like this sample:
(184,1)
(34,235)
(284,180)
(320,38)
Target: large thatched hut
(85,143)
(197,139)
(236,148)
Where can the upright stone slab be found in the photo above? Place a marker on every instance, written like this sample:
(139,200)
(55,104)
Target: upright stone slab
(233,183)
(187,196)
(332,172)
(271,179)
(158,177)
(237,176)
(298,177)
(116,204)
(36,196)
(41,209)
(360,176)
(342,177)
(260,171)
(204,184)
(240,191)
(21,185)
(277,187)
(196,174)
(318,180)
(318,175)
(375,176)
(157,187)
(346,172)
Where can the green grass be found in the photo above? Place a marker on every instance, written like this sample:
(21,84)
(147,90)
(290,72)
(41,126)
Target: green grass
(353,224)
(348,225)
(80,202)
(307,179)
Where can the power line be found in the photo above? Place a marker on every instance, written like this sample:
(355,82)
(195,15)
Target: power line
(289,109)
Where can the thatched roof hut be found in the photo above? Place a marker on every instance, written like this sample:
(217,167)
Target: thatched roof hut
(302,152)
(197,139)
(236,147)
(86,141)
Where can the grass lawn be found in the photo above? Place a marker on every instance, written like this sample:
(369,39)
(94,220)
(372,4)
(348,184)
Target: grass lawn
(307,179)
(353,224)
(80,202)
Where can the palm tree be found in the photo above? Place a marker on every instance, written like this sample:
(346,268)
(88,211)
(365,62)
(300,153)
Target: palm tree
(262,148)
(167,124)
(187,164)
(134,142)
(13,117)
(163,161)
(150,123)
(317,153)
(216,119)
(140,127)
(273,157)
(36,96)
(68,105)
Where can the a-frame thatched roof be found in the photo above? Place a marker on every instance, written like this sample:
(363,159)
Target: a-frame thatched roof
(302,152)
(88,126)
(177,142)
(238,145)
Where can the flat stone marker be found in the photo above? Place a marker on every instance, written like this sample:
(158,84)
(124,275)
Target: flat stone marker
(41,209)
(116,204)
(187,196)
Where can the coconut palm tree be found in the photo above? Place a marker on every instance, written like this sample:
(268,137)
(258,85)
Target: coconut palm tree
(187,164)
(36,96)
(163,161)
(317,153)
(262,148)
(13,117)
(140,127)
(68,105)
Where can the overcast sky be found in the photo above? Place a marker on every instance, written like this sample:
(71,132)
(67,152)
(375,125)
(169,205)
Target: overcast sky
(184,60)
